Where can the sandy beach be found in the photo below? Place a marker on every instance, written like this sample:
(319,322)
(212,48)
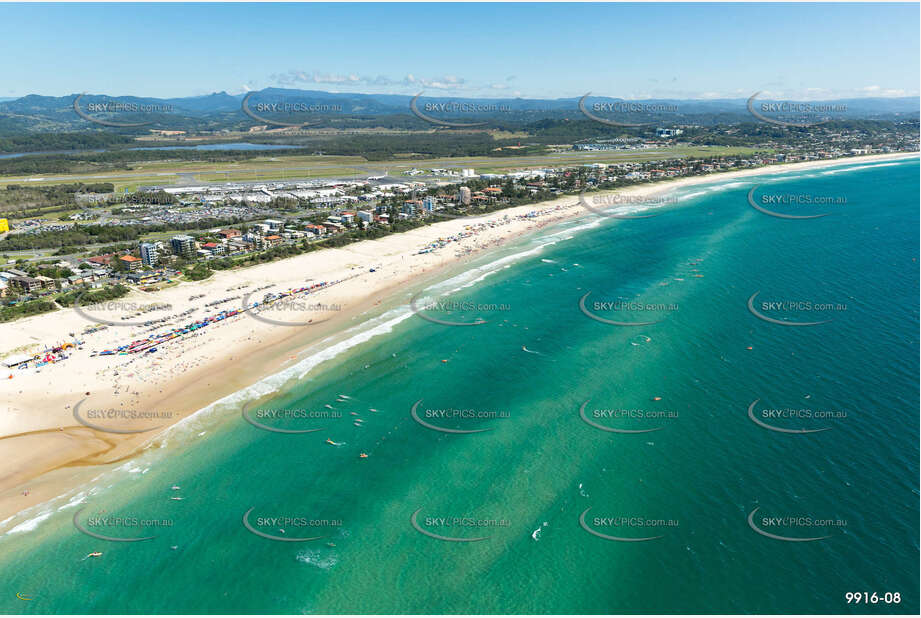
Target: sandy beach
(47,451)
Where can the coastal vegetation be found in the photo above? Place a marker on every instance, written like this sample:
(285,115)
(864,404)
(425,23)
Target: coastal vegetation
(198,272)
(24,309)
(92,296)
(9,313)
(19,201)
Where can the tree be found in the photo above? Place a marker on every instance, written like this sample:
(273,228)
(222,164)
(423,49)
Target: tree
(199,272)
(119,265)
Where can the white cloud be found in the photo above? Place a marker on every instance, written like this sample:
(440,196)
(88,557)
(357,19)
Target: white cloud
(445,85)
(298,77)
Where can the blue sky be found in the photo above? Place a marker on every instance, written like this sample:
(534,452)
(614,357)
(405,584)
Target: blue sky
(808,51)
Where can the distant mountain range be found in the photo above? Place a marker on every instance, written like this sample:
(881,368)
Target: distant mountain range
(220,110)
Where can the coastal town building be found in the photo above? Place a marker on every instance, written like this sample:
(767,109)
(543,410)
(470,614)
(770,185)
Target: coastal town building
(150,256)
(183,245)
(145,278)
(100,260)
(214,248)
(131,262)
(239,244)
(27,285)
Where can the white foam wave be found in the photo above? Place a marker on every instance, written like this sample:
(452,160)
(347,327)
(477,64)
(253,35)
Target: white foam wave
(477,274)
(856,168)
(31,524)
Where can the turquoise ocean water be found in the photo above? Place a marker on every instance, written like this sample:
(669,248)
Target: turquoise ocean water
(711,488)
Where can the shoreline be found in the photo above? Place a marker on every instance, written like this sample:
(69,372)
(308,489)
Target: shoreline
(50,453)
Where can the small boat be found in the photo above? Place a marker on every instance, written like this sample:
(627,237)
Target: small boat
(657,399)
(175,487)
(372,409)
(363,456)
(330,441)
(94,554)
(176,498)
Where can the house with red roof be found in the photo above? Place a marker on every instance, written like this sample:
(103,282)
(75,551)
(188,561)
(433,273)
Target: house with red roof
(214,248)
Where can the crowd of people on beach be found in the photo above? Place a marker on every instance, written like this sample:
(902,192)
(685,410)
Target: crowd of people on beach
(149,344)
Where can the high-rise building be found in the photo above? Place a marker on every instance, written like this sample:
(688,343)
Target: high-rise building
(463,195)
(150,256)
(183,245)
(428,203)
